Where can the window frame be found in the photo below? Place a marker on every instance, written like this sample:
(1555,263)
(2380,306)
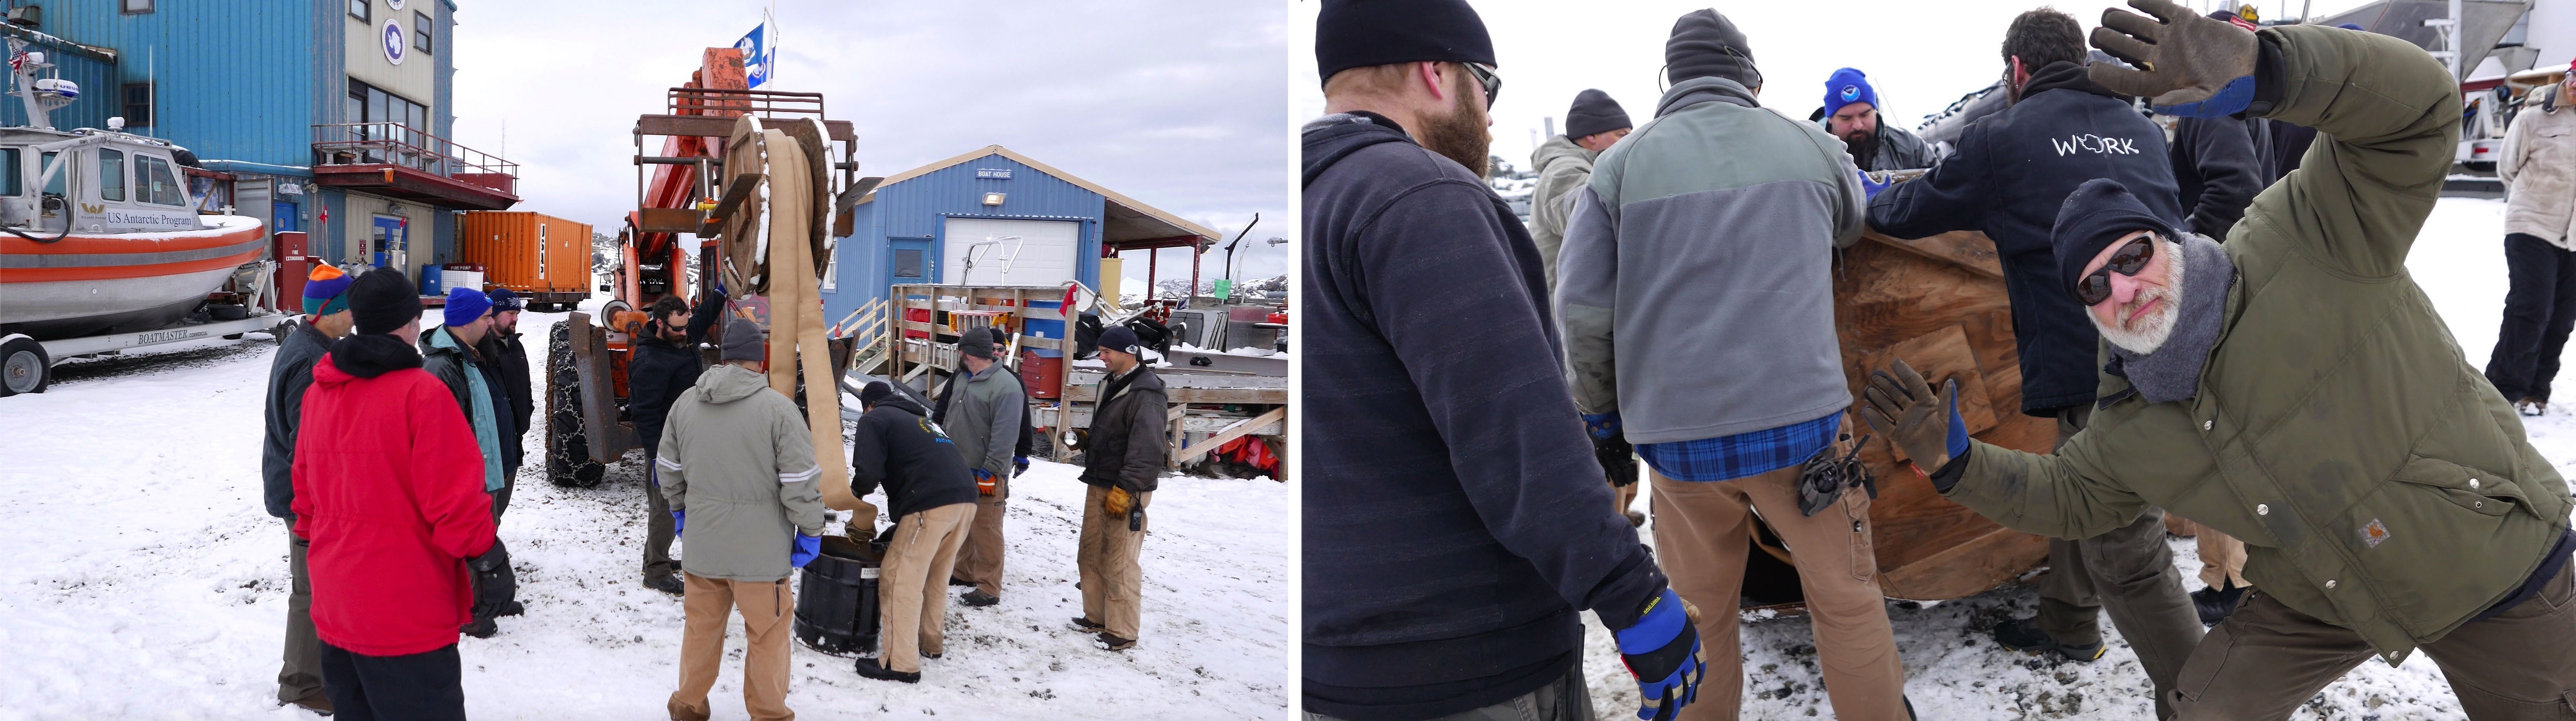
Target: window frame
(421,37)
(14,184)
(121,176)
(363,10)
(126,100)
(144,192)
(126,7)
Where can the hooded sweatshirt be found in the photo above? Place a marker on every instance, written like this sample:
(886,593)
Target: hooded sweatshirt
(736,457)
(1455,521)
(389,489)
(911,457)
(1563,167)
(477,388)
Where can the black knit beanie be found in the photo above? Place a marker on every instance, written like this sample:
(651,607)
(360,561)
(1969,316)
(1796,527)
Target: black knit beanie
(2098,212)
(1706,44)
(876,392)
(1594,113)
(382,301)
(976,343)
(1365,33)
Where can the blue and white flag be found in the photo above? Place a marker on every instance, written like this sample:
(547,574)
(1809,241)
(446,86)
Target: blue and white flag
(759,52)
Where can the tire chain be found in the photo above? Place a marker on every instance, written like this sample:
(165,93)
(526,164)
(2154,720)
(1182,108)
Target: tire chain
(566,465)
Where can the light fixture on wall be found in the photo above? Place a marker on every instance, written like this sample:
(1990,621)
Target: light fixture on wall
(992,198)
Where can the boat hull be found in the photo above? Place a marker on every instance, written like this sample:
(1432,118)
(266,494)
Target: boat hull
(108,283)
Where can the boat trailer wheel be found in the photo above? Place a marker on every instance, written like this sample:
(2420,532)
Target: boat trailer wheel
(23,367)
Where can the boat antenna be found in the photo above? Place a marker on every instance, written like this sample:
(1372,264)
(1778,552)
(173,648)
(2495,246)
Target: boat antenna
(23,66)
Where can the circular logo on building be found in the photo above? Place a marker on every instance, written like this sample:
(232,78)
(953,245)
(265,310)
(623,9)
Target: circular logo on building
(397,4)
(1851,93)
(394,42)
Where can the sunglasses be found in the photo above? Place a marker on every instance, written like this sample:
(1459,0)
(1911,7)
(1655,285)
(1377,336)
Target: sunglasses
(1485,76)
(2092,289)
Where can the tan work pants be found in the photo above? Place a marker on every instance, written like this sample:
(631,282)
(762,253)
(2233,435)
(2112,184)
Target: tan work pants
(1703,531)
(980,562)
(1112,583)
(765,606)
(912,596)
(2267,660)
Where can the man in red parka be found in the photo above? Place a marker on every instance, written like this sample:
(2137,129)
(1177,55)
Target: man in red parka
(389,491)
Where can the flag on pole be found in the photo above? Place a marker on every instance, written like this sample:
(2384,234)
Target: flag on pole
(759,52)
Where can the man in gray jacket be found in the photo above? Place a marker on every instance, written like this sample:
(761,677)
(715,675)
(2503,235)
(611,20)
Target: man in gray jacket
(737,454)
(1564,163)
(984,420)
(1712,348)
(326,318)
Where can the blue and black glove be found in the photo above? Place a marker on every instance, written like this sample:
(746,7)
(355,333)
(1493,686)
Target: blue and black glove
(1869,188)
(1662,651)
(679,522)
(806,548)
(1901,406)
(1602,426)
(2187,66)
(1019,465)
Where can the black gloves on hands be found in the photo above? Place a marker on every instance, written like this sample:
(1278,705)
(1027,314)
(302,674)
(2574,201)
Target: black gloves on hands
(1618,459)
(496,588)
(2185,59)
(1899,405)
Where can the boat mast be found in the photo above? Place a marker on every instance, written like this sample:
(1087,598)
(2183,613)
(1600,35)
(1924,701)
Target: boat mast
(23,66)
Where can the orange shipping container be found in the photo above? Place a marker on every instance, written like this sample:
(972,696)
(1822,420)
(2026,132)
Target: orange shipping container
(527,252)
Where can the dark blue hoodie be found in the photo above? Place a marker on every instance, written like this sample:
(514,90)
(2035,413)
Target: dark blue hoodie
(1455,521)
(2011,172)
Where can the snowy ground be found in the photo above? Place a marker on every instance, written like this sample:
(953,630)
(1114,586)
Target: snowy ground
(145,580)
(1953,668)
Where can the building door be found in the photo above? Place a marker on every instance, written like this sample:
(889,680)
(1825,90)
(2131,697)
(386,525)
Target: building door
(388,237)
(908,262)
(1008,252)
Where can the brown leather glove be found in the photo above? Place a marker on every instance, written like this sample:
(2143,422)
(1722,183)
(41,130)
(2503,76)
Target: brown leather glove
(1902,407)
(2185,59)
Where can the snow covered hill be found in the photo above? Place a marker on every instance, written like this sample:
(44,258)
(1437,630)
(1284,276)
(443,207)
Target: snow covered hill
(143,580)
(1954,670)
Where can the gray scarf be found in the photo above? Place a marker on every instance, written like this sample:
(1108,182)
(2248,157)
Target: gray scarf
(2172,373)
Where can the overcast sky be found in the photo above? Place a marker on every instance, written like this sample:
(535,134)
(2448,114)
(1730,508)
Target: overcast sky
(1175,103)
(1919,56)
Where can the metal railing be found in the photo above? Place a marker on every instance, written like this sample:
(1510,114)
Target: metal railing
(764,103)
(394,143)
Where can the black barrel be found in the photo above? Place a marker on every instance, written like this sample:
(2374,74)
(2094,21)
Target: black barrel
(836,600)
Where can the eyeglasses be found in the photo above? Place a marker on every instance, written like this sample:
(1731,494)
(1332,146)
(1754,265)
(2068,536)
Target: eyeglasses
(1485,75)
(2092,289)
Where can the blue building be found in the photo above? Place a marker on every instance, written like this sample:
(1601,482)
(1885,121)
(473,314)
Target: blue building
(991,217)
(332,115)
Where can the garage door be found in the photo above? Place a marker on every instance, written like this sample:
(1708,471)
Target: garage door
(1009,252)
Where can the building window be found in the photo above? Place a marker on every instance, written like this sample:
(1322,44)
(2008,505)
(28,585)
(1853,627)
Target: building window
(138,104)
(358,9)
(137,7)
(111,175)
(420,32)
(907,263)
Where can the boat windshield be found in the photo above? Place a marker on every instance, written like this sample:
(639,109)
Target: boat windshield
(10,172)
(54,186)
(111,175)
(158,186)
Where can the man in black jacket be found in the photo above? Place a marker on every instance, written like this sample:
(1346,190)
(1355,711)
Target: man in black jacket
(665,365)
(2010,174)
(510,358)
(326,318)
(2217,170)
(932,499)
(1123,466)
(1455,523)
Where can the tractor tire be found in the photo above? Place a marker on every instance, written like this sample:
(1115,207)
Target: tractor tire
(568,462)
(24,367)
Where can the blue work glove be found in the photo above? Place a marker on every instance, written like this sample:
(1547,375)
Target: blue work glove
(1869,188)
(1602,426)
(2230,100)
(679,522)
(1019,465)
(1662,651)
(807,547)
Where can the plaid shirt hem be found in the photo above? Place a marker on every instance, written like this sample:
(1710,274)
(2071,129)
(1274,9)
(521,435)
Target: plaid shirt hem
(1742,454)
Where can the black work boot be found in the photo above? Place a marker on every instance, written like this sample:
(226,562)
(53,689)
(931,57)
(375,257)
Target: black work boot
(667,583)
(868,667)
(1084,623)
(481,628)
(2214,604)
(979,599)
(2023,634)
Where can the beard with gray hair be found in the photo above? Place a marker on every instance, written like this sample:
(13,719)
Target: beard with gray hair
(2143,335)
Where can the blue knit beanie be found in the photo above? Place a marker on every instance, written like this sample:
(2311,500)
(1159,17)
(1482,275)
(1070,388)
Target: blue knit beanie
(1847,86)
(464,305)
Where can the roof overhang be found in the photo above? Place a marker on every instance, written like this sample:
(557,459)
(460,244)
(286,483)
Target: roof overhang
(413,184)
(1125,224)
